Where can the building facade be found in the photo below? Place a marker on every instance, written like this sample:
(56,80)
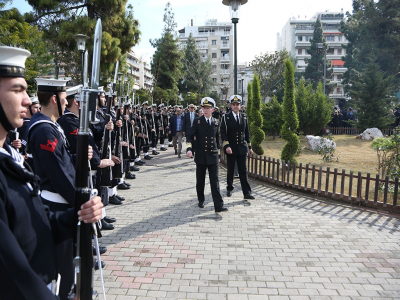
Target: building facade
(140,71)
(215,40)
(295,38)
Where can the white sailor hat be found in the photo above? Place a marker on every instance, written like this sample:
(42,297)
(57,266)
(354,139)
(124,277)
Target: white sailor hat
(207,102)
(34,100)
(74,90)
(145,103)
(51,85)
(12,61)
(235,99)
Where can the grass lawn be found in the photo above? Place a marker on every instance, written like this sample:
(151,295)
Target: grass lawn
(354,154)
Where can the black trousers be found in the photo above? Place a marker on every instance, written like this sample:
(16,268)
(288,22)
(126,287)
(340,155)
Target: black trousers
(241,164)
(64,254)
(214,182)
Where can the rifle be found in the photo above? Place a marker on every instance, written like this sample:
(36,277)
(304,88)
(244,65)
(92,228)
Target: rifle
(83,261)
(125,134)
(118,170)
(106,173)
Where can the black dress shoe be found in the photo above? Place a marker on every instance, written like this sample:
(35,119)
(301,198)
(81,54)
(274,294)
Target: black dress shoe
(179,155)
(102,250)
(114,200)
(96,266)
(123,186)
(128,184)
(221,209)
(106,226)
(163,149)
(119,198)
(148,157)
(140,163)
(176,152)
(155,152)
(170,145)
(228,193)
(110,220)
(129,175)
(201,204)
(249,197)
(134,168)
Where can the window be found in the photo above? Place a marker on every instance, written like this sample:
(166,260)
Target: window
(339,77)
(339,51)
(300,38)
(308,38)
(338,90)
(214,67)
(214,42)
(330,38)
(339,38)
(214,80)
(300,51)
(214,55)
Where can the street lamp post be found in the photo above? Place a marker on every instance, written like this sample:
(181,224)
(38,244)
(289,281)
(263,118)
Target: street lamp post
(321,47)
(234,6)
(243,73)
(81,44)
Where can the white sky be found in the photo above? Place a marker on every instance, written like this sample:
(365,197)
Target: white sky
(259,22)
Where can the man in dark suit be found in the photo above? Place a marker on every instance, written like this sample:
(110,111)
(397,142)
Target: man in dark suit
(188,119)
(176,130)
(235,137)
(205,129)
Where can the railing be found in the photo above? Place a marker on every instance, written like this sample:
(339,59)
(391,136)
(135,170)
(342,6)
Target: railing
(349,187)
(355,131)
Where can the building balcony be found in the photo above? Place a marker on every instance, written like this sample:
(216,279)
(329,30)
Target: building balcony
(225,46)
(302,44)
(225,58)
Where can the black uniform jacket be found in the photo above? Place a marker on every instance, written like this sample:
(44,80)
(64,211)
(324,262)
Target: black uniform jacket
(69,122)
(234,135)
(207,141)
(51,157)
(28,233)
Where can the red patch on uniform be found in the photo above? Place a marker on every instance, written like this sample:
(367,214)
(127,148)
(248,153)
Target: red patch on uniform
(51,146)
(75,132)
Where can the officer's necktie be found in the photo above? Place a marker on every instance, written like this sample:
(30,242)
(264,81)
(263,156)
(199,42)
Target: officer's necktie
(237,119)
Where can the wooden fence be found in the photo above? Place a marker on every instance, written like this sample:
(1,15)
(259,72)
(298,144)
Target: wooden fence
(366,190)
(354,131)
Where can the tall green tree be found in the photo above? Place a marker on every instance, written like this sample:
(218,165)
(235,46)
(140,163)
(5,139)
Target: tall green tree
(372,93)
(257,134)
(196,72)
(272,117)
(60,20)
(269,68)
(372,31)
(289,116)
(166,63)
(315,65)
(304,102)
(249,103)
(322,110)
(16,32)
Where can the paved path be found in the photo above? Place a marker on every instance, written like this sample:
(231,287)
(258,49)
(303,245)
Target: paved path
(283,245)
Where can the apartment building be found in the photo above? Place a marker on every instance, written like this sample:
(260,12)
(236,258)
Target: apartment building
(215,40)
(141,72)
(295,38)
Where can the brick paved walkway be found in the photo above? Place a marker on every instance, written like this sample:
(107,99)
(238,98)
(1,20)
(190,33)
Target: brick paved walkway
(283,245)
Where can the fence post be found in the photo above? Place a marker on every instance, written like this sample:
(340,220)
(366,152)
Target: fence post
(306,178)
(283,171)
(396,190)
(350,185)
(367,187)
(313,178)
(294,175)
(376,189)
(328,171)
(273,170)
(342,184)
(319,180)
(278,164)
(300,173)
(386,191)
(334,182)
(359,186)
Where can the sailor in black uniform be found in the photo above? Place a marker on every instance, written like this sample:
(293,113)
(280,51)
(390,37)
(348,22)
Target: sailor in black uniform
(28,230)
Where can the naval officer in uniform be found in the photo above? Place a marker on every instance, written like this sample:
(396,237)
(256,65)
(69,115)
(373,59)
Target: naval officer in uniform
(235,137)
(205,129)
